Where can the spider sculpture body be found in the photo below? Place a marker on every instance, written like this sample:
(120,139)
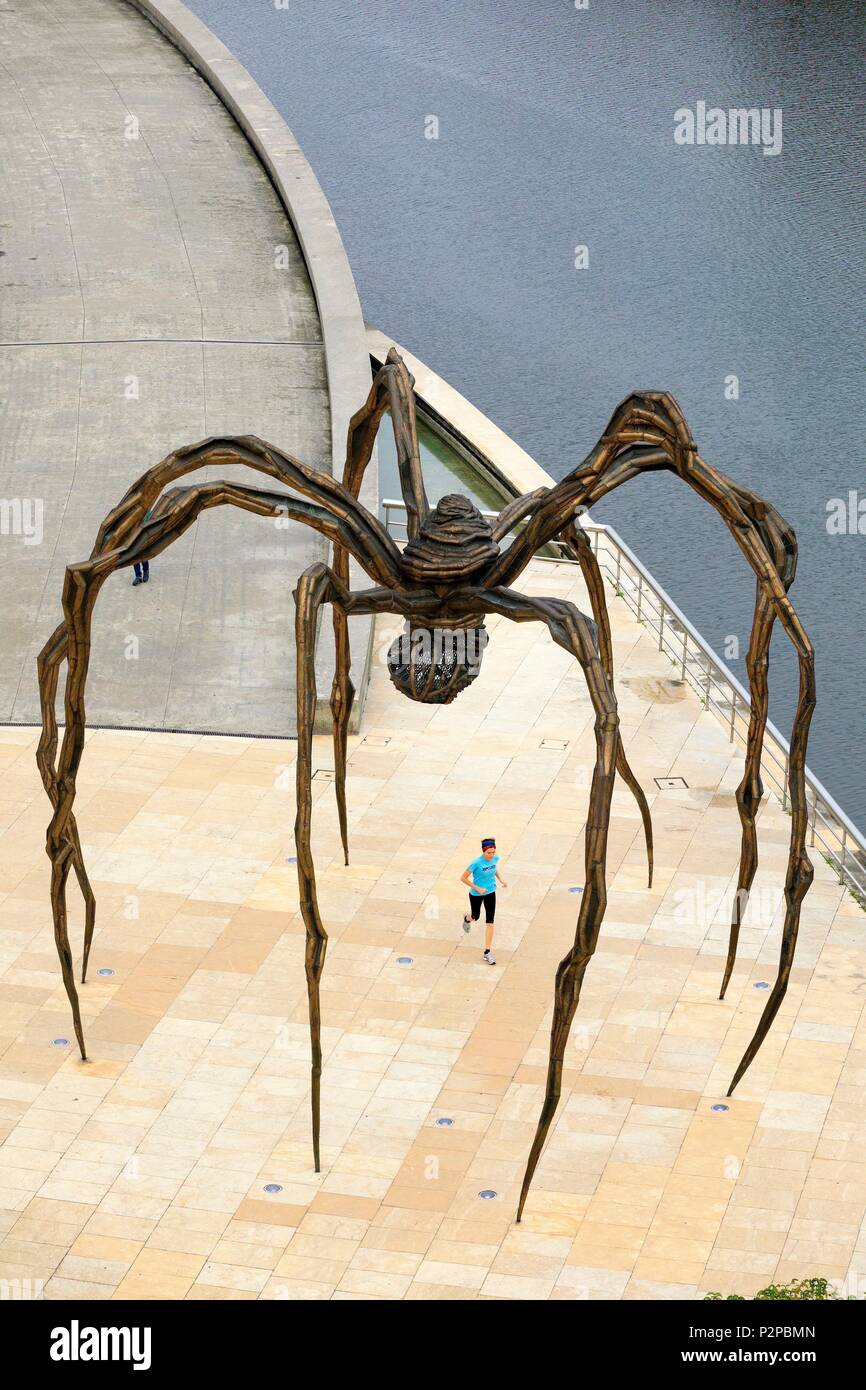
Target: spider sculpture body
(452,573)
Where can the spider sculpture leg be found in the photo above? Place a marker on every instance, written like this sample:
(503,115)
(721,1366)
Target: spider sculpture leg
(49,662)
(573,631)
(81,585)
(391,390)
(342,699)
(171,516)
(769,544)
(60,865)
(576,542)
(317,585)
(781,544)
(86,893)
(576,539)
(647,432)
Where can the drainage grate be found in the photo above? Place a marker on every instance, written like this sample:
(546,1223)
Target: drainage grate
(324,774)
(376,740)
(561,743)
(666,784)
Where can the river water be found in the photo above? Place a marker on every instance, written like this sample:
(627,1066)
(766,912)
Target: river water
(703,262)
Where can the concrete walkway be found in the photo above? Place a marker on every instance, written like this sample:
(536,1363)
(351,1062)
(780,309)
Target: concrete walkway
(149,1171)
(154,293)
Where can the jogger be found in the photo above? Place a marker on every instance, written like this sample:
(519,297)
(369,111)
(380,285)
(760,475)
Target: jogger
(480,877)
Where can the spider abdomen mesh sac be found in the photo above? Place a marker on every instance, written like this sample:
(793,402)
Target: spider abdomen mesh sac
(432,665)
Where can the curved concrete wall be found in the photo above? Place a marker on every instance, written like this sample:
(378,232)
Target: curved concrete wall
(343,332)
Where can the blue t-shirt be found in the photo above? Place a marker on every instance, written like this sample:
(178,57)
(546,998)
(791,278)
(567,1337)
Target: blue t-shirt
(483,873)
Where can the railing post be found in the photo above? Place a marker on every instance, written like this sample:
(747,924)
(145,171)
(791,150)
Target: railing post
(685,649)
(842,856)
(785,784)
(639,593)
(733,713)
(708,682)
(618,567)
(814,819)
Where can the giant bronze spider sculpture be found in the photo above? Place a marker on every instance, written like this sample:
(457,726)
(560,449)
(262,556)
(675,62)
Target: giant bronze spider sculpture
(451,574)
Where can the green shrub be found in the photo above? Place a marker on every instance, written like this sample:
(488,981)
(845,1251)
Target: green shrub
(815,1290)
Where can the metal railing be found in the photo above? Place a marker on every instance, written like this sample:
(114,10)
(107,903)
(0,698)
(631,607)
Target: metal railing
(831,831)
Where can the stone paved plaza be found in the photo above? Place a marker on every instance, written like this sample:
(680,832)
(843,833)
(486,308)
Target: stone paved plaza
(143,1172)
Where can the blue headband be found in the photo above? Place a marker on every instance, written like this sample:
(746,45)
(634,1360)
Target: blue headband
(485,843)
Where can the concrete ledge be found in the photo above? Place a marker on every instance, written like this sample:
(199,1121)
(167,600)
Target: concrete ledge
(346,353)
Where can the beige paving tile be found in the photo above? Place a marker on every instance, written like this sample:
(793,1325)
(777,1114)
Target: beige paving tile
(451,1274)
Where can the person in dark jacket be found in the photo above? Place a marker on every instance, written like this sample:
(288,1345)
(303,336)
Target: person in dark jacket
(142,567)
